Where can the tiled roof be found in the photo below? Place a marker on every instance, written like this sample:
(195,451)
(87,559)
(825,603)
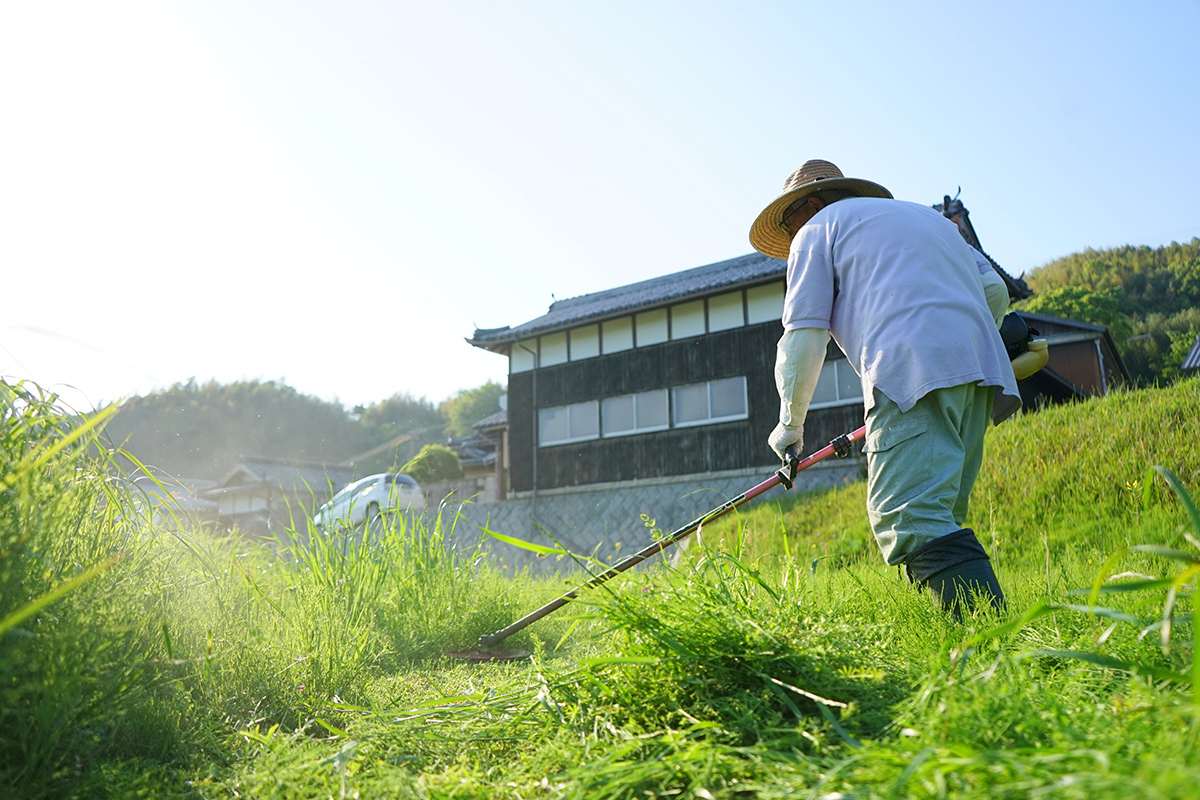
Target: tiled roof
(753,268)
(1193,357)
(286,473)
(954,210)
(500,418)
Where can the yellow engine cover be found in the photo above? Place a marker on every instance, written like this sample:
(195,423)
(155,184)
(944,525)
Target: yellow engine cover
(1032,359)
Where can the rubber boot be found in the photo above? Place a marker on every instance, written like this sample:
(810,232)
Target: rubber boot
(957,569)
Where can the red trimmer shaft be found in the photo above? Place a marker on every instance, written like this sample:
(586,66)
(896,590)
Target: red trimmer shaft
(785,475)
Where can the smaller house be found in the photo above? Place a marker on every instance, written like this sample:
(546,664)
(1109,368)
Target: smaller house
(1084,362)
(493,429)
(176,502)
(482,454)
(262,491)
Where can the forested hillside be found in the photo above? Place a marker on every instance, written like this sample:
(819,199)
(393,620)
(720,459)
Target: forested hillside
(200,430)
(1148,297)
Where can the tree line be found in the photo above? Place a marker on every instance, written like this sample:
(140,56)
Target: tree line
(200,430)
(1148,298)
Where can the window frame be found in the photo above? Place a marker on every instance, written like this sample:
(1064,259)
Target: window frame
(595,405)
(710,419)
(635,429)
(838,365)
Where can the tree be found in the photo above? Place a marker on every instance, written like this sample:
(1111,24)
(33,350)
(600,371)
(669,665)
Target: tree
(391,420)
(1075,302)
(435,462)
(1181,345)
(200,430)
(469,406)
(1162,280)
(1157,294)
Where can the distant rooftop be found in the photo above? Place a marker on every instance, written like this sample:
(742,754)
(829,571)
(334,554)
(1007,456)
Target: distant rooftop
(288,473)
(497,420)
(1193,357)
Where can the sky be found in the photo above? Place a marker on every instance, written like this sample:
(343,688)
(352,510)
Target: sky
(335,195)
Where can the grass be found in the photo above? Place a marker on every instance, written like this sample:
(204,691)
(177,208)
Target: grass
(779,659)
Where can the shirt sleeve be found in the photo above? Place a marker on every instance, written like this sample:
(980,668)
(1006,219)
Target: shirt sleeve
(808,302)
(996,293)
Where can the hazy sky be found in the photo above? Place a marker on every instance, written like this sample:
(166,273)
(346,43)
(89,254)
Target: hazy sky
(336,194)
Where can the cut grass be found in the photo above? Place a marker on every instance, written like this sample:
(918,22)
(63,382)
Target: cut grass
(780,659)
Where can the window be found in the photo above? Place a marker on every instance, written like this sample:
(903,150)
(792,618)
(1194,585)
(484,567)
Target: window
(406,481)
(617,335)
(837,386)
(643,412)
(554,349)
(715,401)
(765,303)
(725,312)
(635,413)
(574,423)
(651,327)
(687,320)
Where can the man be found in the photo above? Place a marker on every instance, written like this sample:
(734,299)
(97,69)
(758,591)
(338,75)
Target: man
(907,301)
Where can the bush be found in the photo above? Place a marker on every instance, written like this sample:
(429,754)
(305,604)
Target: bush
(434,463)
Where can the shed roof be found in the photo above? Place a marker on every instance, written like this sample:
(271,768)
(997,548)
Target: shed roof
(1057,330)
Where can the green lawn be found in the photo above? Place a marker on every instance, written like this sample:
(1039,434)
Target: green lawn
(780,659)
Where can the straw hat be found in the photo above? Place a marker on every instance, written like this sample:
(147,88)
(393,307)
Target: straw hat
(767,234)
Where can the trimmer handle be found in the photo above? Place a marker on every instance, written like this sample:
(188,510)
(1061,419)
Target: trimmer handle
(791,465)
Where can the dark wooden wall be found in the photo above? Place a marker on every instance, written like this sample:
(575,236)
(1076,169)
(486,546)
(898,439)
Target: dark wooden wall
(748,351)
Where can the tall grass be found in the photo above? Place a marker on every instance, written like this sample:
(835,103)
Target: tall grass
(80,668)
(780,658)
(123,641)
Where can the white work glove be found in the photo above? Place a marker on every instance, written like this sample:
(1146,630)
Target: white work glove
(784,436)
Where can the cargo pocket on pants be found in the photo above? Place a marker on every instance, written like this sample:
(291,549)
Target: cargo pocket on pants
(883,439)
(898,476)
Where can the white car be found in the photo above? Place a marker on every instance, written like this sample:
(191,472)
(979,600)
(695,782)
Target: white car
(368,497)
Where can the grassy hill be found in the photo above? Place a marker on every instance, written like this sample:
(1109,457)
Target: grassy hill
(780,659)
(1059,476)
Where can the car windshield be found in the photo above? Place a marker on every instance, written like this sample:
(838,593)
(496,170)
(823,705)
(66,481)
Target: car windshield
(361,483)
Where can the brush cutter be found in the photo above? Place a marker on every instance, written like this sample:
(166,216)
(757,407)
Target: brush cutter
(786,475)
